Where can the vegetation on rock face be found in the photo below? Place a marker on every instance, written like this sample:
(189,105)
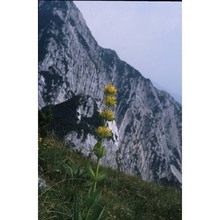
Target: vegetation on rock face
(44,119)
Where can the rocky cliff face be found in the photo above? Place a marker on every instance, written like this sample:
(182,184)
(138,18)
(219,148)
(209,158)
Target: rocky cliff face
(73,70)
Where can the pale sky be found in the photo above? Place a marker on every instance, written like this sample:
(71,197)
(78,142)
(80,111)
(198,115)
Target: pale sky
(146,35)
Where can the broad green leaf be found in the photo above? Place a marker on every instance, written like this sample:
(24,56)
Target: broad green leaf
(93,198)
(91,172)
(96,214)
(101,175)
(76,209)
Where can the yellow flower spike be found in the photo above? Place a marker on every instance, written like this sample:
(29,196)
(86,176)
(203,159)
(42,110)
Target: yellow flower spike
(104,132)
(110,101)
(108,115)
(110,90)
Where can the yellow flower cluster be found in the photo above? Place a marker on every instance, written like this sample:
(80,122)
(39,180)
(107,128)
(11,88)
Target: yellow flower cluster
(110,101)
(108,115)
(40,139)
(104,132)
(110,90)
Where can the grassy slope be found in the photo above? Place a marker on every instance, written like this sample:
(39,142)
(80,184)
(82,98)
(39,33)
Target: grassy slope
(124,196)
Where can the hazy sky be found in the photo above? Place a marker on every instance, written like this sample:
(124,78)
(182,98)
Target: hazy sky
(146,35)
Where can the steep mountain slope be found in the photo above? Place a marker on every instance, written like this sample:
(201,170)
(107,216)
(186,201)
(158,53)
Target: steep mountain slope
(73,70)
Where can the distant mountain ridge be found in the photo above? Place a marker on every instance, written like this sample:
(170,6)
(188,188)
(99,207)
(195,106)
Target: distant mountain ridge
(73,70)
(176,96)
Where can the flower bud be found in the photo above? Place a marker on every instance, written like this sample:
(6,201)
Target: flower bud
(99,150)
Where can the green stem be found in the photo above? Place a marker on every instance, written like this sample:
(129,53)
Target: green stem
(97,164)
(96,174)
(97,169)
